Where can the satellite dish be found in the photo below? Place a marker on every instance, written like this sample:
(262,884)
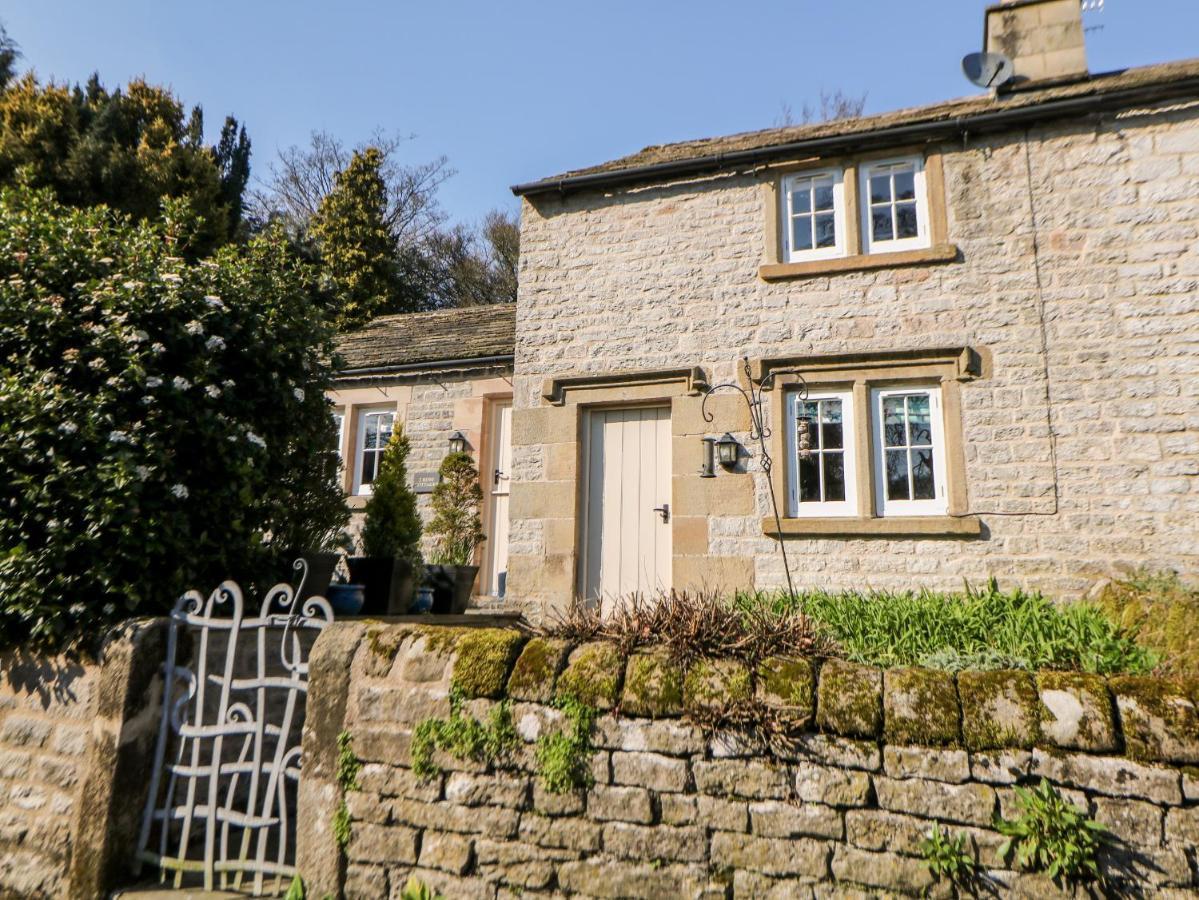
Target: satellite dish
(988,70)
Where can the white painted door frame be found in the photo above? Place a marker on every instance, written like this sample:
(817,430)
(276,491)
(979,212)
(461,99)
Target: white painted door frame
(626,524)
(498,477)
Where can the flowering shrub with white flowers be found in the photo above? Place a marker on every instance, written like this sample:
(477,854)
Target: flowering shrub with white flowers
(163,422)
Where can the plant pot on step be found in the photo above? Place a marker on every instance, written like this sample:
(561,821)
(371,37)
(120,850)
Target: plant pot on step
(452,587)
(387,581)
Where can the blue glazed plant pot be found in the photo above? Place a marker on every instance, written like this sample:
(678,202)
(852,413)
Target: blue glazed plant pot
(424,600)
(346,599)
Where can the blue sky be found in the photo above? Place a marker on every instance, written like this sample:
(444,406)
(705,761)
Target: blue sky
(516,90)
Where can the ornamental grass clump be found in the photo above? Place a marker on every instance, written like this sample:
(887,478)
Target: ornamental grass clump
(1162,611)
(976,629)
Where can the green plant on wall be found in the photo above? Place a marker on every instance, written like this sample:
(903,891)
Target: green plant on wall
(456,528)
(348,767)
(1052,835)
(415,889)
(392,527)
(948,856)
(463,737)
(564,757)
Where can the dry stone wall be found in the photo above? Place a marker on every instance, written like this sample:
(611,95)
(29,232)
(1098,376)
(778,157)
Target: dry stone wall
(1089,228)
(876,759)
(76,737)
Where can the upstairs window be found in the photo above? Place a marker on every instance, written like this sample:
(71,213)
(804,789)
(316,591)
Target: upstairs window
(813,214)
(374,431)
(894,206)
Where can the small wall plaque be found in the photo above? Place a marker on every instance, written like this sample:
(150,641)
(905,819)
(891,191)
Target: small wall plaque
(424,482)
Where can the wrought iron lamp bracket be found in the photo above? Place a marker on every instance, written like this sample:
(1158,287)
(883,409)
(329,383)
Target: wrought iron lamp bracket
(759,430)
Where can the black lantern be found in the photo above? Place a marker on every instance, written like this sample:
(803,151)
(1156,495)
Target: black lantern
(727,450)
(457,442)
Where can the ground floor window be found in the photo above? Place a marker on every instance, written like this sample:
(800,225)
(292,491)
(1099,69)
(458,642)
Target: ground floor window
(374,431)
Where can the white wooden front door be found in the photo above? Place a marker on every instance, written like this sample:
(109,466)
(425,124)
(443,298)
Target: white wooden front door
(496,570)
(627,547)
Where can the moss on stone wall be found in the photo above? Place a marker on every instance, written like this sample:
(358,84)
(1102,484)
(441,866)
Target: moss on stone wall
(920,706)
(999,709)
(653,686)
(483,659)
(711,686)
(788,685)
(1088,720)
(537,669)
(850,699)
(1158,717)
(592,675)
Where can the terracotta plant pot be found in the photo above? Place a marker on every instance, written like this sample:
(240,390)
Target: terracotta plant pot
(388,582)
(452,587)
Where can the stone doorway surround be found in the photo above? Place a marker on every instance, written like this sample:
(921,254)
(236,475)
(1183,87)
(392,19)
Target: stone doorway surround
(547,490)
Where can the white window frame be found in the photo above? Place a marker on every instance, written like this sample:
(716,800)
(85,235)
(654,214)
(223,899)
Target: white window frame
(830,508)
(939,505)
(920,185)
(790,254)
(339,416)
(360,489)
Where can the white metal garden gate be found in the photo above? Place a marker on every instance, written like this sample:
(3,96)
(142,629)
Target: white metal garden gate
(221,804)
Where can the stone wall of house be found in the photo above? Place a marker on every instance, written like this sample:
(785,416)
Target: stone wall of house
(75,740)
(873,760)
(429,407)
(1088,229)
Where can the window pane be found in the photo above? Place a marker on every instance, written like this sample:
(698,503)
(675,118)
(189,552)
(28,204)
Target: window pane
(893,421)
(919,424)
(385,429)
(801,233)
(369,461)
(801,200)
(834,476)
(905,220)
(922,475)
(831,427)
(372,432)
(897,475)
(825,232)
(905,185)
(880,224)
(809,479)
(880,189)
(824,195)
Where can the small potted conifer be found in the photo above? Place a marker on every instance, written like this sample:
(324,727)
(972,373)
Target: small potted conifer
(390,536)
(455,531)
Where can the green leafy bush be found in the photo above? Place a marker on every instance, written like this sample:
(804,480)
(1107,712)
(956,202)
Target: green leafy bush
(564,757)
(463,737)
(1162,611)
(163,424)
(948,856)
(392,526)
(985,629)
(348,768)
(1052,835)
(456,528)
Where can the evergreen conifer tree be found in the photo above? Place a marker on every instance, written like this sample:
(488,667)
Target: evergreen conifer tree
(393,525)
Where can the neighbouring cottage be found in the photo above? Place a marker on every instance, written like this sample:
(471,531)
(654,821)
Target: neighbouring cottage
(440,375)
(980,316)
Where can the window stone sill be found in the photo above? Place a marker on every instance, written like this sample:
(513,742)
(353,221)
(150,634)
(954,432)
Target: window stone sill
(895,526)
(938,253)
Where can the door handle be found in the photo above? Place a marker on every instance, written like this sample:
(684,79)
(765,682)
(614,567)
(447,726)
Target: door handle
(499,476)
(663,511)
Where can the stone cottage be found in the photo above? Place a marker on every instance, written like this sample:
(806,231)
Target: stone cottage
(446,378)
(975,326)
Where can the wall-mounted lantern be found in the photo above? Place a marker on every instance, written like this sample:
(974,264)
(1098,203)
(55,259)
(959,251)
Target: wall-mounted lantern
(457,442)
(708,468)
(727,450)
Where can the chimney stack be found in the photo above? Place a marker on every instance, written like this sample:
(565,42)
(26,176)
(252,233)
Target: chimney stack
(1042,38)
